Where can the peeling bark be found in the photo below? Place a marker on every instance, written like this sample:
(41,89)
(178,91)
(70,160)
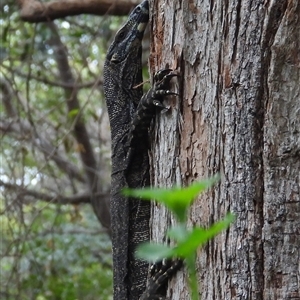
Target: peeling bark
(239,115)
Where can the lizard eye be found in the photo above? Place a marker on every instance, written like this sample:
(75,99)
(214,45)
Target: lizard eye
(121,35)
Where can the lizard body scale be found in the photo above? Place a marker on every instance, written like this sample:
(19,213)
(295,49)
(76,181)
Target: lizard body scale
(130,114)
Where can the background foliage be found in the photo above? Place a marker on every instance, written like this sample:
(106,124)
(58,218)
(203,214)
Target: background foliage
(55,253)
(52,244)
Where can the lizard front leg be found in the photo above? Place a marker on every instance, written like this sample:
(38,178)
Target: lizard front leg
(160,273)
(152,100)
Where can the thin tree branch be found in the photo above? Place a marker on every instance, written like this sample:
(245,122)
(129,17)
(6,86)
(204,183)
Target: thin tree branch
(35,11)
(56,199)
(23,132)
(7,95)
(80,132)
(45,80)
(75,232)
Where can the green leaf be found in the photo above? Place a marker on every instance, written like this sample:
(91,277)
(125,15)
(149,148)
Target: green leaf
(199,236)
(73,113)
(176,199)
(154,252)
(178,233)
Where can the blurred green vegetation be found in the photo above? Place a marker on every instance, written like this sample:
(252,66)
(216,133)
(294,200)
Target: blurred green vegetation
(51,250)
(55,253)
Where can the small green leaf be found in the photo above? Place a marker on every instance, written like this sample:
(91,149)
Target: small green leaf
(178,233)
(176,199)
(154,252)
(199,236)
(73,113)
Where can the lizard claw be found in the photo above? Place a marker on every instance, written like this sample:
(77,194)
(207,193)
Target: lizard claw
(163,77)
(165,93)
(162,80)
(160,273)
(160,74)
(158,104)
(153,99)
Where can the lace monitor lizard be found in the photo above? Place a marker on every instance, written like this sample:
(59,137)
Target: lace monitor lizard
(130,115)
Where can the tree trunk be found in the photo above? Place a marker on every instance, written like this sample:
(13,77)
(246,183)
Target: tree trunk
(238,114)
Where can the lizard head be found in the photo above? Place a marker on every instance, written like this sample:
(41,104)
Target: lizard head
(128,39)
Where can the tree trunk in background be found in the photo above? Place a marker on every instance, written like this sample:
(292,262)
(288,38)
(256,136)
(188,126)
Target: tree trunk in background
(239,115)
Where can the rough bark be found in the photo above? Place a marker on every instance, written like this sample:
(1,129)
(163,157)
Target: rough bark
(36,11)
(239,115)
(281,155)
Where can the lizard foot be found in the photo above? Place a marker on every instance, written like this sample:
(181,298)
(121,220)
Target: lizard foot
(149,102)
(161,87)
(160,273)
